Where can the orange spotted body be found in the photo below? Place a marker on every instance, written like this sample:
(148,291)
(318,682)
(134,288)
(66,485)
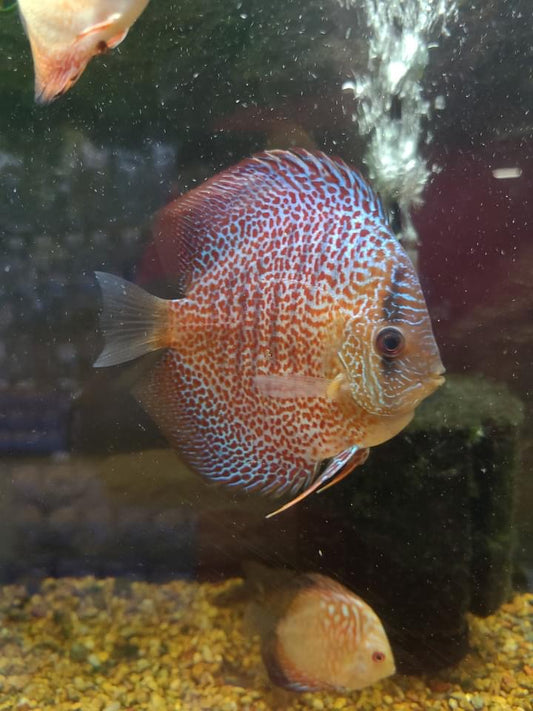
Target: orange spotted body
(290,278)
(219,334)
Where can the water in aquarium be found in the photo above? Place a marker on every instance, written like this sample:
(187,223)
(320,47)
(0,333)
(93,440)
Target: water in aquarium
(266,390)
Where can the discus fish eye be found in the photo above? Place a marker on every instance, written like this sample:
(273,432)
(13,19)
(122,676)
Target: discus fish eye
(390,342)
(378,657)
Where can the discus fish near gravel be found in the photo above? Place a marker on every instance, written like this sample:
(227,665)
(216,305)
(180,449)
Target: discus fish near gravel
(318,635)
(65,34)
(300,337)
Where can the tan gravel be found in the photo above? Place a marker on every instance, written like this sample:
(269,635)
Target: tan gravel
(110,645)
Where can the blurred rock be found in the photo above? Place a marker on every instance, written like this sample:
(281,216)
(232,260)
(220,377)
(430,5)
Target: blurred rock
(33,421)
(100,423)
(59,517)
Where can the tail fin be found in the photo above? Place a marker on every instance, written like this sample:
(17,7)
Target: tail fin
(133,321)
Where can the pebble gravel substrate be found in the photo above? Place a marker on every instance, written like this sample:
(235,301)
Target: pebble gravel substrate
(114,645)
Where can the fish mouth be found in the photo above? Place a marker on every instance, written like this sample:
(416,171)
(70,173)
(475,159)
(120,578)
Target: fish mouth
(432,381)
(424,388)
(437,379)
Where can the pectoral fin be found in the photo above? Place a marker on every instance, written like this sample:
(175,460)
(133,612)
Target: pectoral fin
(100,26)
(337,469)
(291,386)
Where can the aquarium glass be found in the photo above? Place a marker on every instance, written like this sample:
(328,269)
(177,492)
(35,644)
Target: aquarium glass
(289,341)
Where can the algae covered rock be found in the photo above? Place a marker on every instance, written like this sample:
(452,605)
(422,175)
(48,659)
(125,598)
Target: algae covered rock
(453,471)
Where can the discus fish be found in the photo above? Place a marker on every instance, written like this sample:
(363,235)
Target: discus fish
(318,635)
(65,34)
(301,334)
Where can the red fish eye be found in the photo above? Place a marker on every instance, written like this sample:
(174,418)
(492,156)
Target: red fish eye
(390,342)
(378,657)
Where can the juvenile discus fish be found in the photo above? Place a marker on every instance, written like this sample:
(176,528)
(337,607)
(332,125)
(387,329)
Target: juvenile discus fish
(300,337)
(318,635)
(65,34)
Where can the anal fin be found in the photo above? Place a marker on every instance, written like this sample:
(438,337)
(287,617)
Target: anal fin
(337,469)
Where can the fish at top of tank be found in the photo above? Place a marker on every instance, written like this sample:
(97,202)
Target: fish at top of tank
(65,34)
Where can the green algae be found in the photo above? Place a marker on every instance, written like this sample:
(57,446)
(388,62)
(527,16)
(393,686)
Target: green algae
(469,402)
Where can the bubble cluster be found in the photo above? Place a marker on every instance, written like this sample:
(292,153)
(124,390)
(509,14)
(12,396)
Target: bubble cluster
(391,106)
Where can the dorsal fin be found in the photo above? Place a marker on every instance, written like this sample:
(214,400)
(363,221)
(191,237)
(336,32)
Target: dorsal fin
(201,227)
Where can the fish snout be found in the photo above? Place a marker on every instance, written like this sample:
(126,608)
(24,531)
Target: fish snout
(436,376)
(437,380)
(431,382)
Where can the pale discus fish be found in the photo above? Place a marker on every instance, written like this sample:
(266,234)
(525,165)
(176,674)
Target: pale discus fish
(316,634)
(65,34)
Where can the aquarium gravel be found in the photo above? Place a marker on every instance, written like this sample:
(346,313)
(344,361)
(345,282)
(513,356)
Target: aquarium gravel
(114,645)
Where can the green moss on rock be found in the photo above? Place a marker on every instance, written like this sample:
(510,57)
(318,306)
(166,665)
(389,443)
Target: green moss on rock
(467,402)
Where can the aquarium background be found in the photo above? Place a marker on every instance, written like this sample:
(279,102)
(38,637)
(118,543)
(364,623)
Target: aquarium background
(88,486)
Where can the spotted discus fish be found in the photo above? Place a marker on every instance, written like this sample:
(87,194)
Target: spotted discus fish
(317,635)
(301,337)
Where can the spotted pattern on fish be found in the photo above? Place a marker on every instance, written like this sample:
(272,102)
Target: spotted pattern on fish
(288,267)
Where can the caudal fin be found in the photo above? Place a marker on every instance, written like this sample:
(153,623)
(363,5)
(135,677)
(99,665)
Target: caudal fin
(133,322)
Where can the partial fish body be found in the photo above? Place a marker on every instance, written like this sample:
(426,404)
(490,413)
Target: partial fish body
(301,336)
(65,34)
(316,634)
